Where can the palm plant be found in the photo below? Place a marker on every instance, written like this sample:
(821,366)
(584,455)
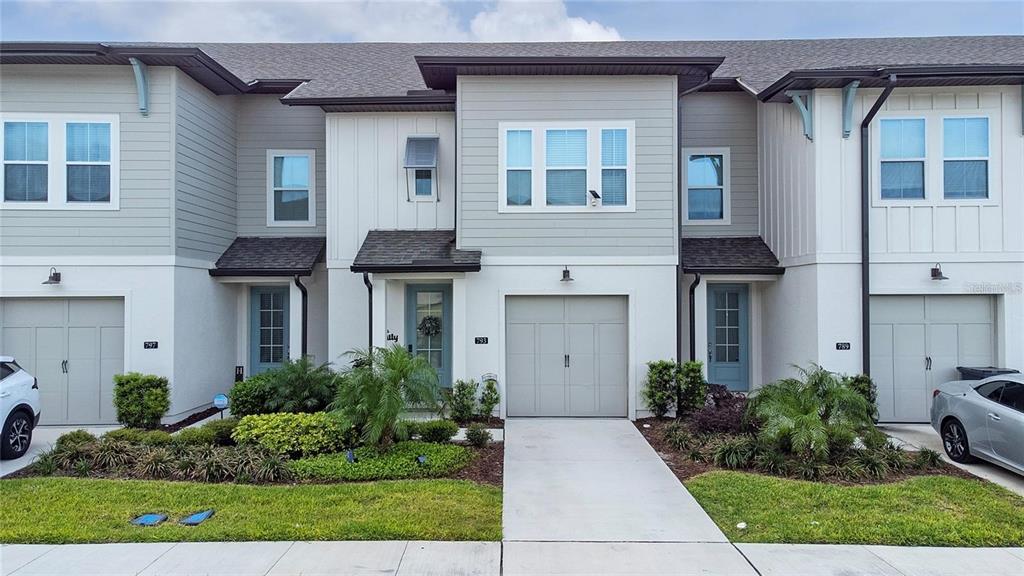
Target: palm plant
(380,385)
(300,386)
(816,417)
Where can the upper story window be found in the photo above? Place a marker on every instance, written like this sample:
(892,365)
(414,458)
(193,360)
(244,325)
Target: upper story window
(60,161)
(707,185)
(421,167)
(291,198)
(903,158)
(965,158)
(566,167)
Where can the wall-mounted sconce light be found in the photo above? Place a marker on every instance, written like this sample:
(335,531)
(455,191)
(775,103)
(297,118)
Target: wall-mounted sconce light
(937,273)
(54,277)
(565,275)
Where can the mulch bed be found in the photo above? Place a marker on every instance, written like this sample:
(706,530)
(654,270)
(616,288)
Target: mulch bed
(490,422)
(487,467)
(192,419)
(653,429)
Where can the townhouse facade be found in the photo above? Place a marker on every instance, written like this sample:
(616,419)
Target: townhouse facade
(552,215)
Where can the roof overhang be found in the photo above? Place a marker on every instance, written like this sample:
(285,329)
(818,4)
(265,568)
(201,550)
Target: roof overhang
(414,267)
(907,76)
(440,72)
(720,270)
(440,102)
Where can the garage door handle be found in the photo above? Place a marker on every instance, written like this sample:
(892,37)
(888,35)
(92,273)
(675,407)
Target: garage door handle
(927,362)
(566,360)
(64,366)
(994,417)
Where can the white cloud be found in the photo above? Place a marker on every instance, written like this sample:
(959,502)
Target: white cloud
(314,20)
(526,21)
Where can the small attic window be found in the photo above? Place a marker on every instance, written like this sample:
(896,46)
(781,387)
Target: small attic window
(421,152)
(421,168)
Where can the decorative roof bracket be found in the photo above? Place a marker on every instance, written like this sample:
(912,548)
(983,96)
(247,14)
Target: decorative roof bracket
(141,84)
(849,93)
(804,102)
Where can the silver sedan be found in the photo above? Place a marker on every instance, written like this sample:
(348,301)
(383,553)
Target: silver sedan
(982,419)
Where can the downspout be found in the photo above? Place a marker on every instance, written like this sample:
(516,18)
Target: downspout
(369,300)
(693,311)
(865,239)
(305,314)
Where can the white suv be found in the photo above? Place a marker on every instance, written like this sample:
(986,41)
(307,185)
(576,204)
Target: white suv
(19,404)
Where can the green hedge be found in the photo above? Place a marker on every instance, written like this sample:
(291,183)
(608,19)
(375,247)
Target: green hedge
(141,400)
(305,434)
(399,462)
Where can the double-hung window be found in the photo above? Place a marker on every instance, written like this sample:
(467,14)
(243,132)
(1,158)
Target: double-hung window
(707,186)
(291,198)
(902,158)
(965,158)
(60,161)
(566,166)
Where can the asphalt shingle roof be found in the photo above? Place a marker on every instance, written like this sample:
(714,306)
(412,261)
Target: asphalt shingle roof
(748,254)
(412,251)
(343,70)
(271,256)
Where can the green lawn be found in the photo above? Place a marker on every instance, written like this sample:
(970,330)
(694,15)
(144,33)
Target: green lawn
(67,510)
(922,511)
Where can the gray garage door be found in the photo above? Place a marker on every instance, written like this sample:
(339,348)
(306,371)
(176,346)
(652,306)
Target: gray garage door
(918,341)
(73,347)
(566,356)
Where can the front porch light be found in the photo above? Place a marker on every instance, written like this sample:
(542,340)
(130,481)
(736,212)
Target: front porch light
(565,275)
(54,277)
(937,272)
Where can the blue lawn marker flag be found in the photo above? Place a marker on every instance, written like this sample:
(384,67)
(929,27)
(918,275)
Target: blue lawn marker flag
(421,459)
(351,457)
(197,518)
(149,519)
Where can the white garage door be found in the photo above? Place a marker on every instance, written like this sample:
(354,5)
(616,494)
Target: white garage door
(74,347)
(918,341)
(566,356)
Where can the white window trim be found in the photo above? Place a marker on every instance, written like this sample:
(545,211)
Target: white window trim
(877,161)
(310,221)
(934,193)
(538,201)
(726,218)
(987,159)
(411,183)
(56,174)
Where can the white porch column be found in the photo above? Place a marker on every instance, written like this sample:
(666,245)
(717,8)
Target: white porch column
(380,308)
(294,321)
(700,319)
(460,340)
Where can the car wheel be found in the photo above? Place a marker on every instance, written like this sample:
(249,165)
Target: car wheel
(17,435)
(954,440)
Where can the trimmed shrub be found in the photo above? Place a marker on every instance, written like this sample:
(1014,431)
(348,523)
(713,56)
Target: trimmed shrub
(250,396)
(193,437)
(660,391)
(131,435)
(157,438)
(296,434)
(489,398)
(865,386)
(74,438)
(724,412)
(141,400)
(463,401)
(437,431)
(221,430)
(694,389)
(398,462)
(478,435)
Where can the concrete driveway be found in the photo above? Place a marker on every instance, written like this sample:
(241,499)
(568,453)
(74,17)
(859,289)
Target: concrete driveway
(594,480)
(43,438)
(923,436)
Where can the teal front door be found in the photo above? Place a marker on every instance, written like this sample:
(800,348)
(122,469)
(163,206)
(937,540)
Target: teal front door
(268,327)
(428,324)
(728,336)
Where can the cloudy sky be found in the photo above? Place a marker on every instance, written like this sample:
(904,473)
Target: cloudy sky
(497,20)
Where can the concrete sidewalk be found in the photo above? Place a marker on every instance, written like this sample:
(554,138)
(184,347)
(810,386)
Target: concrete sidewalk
(594,480)
(495,559)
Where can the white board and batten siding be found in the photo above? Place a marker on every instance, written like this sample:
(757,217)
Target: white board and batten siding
(263,123)
(369,186)
(205,205)
(649,101)
(726,120)
(143,223)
